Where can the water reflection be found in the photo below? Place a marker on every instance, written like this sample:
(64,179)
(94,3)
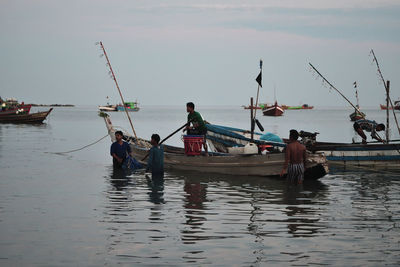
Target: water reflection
(156,186)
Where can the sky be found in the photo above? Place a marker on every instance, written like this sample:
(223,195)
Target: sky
(208,52)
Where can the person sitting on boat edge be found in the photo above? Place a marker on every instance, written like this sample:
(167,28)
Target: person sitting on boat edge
(198,125)
(119,150)
(369,126)
(155,162)
(295,158)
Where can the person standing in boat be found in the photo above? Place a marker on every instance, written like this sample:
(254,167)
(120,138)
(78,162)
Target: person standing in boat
(155,162)
(370,126)
(119,150)
(295,158)
(198,126)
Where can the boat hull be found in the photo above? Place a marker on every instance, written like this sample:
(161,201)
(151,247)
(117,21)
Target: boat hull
(370,155)
(248,165)
(273,111)
(31,118)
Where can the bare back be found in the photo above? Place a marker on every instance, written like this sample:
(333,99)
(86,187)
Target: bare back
(295,153)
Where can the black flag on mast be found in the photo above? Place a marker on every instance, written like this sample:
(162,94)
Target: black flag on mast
(259,78)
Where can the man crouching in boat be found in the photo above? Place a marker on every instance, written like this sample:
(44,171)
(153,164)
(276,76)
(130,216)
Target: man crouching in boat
(369,126)
(198,126)
(295,158)
(119,150)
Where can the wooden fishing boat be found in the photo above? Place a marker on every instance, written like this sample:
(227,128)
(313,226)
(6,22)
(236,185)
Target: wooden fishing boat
(395,107)
(304,106)
(274,110)
(108,108)
(372,155)
(32,118)
(254,107)
(129,106)
(223,163)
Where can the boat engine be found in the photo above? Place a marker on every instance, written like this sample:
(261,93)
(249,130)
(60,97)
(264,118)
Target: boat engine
(308,138)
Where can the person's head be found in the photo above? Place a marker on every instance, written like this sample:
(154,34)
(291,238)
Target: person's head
(118,135)
(155,139)
(380,127)
(189,107)
(293,135)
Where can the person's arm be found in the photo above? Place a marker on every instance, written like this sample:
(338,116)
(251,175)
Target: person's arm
(150,160)
(375,136)
(287,157)
(304,156)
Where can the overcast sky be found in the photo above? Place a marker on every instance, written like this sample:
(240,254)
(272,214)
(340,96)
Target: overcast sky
(171,52)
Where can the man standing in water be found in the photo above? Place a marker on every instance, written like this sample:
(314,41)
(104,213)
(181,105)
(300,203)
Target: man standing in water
(119,150)
(155,163)
(198,126)
(295,158)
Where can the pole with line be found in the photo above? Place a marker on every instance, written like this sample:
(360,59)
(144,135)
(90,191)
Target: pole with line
(116,83)
(386,85)
(333,87)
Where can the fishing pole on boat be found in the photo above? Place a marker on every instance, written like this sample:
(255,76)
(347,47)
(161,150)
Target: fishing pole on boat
(116,83)
(166,138)
(386,85)
(333,87)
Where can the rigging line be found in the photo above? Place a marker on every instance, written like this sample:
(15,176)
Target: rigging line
(95,142)
(386,88)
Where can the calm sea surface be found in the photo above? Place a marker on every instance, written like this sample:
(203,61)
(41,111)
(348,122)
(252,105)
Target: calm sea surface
(73,210)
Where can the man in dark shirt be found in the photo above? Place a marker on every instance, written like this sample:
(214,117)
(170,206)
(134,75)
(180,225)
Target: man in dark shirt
(155,162)
(119,150)
(198,126)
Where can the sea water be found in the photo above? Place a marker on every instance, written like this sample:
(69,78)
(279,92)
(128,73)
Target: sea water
(72,209)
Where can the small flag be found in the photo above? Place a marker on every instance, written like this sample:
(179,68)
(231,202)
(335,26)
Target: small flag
(258,79)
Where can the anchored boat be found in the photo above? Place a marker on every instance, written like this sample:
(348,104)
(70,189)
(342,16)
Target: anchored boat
(224,163)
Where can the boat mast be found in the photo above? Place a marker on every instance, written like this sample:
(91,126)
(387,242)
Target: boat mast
(116,83)
(355,86)
(387,110)
(386,89)
(258,88)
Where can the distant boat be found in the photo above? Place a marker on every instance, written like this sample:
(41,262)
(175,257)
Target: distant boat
(305,106)
(31,118)
(108,108)
(129,106)
(274,110)
(396,106)
(249,107)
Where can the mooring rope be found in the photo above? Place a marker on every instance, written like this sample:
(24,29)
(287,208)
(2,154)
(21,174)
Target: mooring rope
(81,147)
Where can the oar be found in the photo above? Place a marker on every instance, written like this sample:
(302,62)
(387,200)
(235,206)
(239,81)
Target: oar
(165,139)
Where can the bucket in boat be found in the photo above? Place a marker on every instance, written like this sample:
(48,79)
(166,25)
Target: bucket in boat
(193,144)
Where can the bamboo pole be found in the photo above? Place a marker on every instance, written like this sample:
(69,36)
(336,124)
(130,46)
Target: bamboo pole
(386,89)
(116,83)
